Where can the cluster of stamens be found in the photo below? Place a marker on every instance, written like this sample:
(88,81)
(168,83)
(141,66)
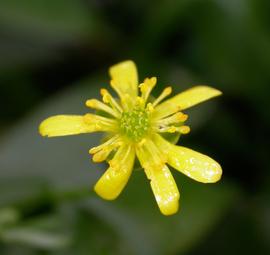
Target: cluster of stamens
(133,120)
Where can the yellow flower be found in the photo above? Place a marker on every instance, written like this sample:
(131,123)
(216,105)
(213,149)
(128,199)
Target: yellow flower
(137,126)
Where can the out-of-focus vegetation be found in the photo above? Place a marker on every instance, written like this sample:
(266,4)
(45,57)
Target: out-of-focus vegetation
(54,55)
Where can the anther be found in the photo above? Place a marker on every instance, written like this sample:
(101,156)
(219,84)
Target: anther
(175,118)
(108,99)
(184,130)
(149,107)
(146,87)
(166,92)
(183,117)
(101,155)
(91,103)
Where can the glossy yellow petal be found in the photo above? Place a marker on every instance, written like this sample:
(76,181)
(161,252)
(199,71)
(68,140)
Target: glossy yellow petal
(113,181)
(193,164)
(124,78)
(161,180)
(165,190)
(185,100)
(61,125)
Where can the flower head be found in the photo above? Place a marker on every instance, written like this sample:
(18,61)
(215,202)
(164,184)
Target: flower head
(136,127)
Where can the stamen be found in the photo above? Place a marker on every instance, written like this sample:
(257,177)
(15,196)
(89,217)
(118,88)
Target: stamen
(139,102)
(100,122)
(175,118)
(172,129)
(119,158)
(102,151)
(184,130)
(126,100)
(96,104)
(166,92)
(108,99)
(114,139)
(149,108)
(101,155)
(146,87)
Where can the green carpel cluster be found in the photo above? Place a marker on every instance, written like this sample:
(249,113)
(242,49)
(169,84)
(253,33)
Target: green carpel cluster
(134,124)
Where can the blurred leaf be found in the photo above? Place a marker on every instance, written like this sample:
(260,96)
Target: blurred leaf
(35,238)
(8,216)
(46,232)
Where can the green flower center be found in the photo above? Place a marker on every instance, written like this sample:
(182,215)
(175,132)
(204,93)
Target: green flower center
(134,124)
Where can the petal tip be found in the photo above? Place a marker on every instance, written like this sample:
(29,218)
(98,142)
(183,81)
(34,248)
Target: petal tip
(42,129)
(170,208)
(103,193)
(213,174)
(218,173)
(213,91)
(122,64)
(124,78)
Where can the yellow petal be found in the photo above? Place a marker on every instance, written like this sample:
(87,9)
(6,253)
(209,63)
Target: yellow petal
(113,181)
(61,125)
(162,182)
(193,164)
(165,190)
(185,100)
(124,78)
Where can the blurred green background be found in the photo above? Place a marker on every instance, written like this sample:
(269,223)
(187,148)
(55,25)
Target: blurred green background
(55,54)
